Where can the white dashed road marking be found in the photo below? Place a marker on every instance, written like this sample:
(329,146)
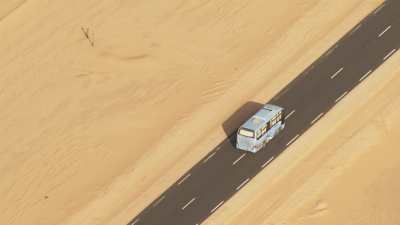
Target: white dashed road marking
(379,8)
(365,75)
(216,207)
(183,179)
(389,54)
(331,50)
(288,115)
(158,201)
(187,204)
(237,160)
(337,72)
(317,118)
(293,139)
(243,183)
(356,28)
(341,96)
(134,222)
(266,163)
(204,161)
(386,29)
(309,69)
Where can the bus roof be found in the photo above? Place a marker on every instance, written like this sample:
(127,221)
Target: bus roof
(262,116)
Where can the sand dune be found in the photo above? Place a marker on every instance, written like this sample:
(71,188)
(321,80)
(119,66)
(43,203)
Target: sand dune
(95,127)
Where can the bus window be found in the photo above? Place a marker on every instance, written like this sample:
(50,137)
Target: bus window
(258,126)
(273,121)
(264,130)
(246,133)
(258,133)
(279,117)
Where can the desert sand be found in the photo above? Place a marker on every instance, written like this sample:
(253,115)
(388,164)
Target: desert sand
(104,104)
(344,175)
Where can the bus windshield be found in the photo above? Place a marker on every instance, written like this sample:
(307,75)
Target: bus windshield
(246,133)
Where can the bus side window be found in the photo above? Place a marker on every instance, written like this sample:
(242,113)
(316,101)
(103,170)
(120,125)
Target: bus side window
(258,134)
(279,116)
(273,121)
(267,125)
(264,130)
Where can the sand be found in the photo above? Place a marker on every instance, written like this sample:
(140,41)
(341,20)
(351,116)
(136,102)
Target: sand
(107,103)
(344,175)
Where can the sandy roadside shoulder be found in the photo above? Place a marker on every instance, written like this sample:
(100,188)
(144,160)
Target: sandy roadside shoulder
(80,120)
(316,26)
(343,175)
(355,180)
(364,188)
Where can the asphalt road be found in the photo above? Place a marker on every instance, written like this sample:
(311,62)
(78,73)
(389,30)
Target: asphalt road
(225,170)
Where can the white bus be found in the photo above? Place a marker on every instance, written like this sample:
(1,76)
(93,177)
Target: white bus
(260,128)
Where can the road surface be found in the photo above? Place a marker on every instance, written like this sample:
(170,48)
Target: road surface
(224,171)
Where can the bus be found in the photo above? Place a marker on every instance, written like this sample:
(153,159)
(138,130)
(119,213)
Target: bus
(257,131)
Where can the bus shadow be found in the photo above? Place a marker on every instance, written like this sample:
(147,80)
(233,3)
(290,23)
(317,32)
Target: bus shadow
(237,118)
(231,125)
